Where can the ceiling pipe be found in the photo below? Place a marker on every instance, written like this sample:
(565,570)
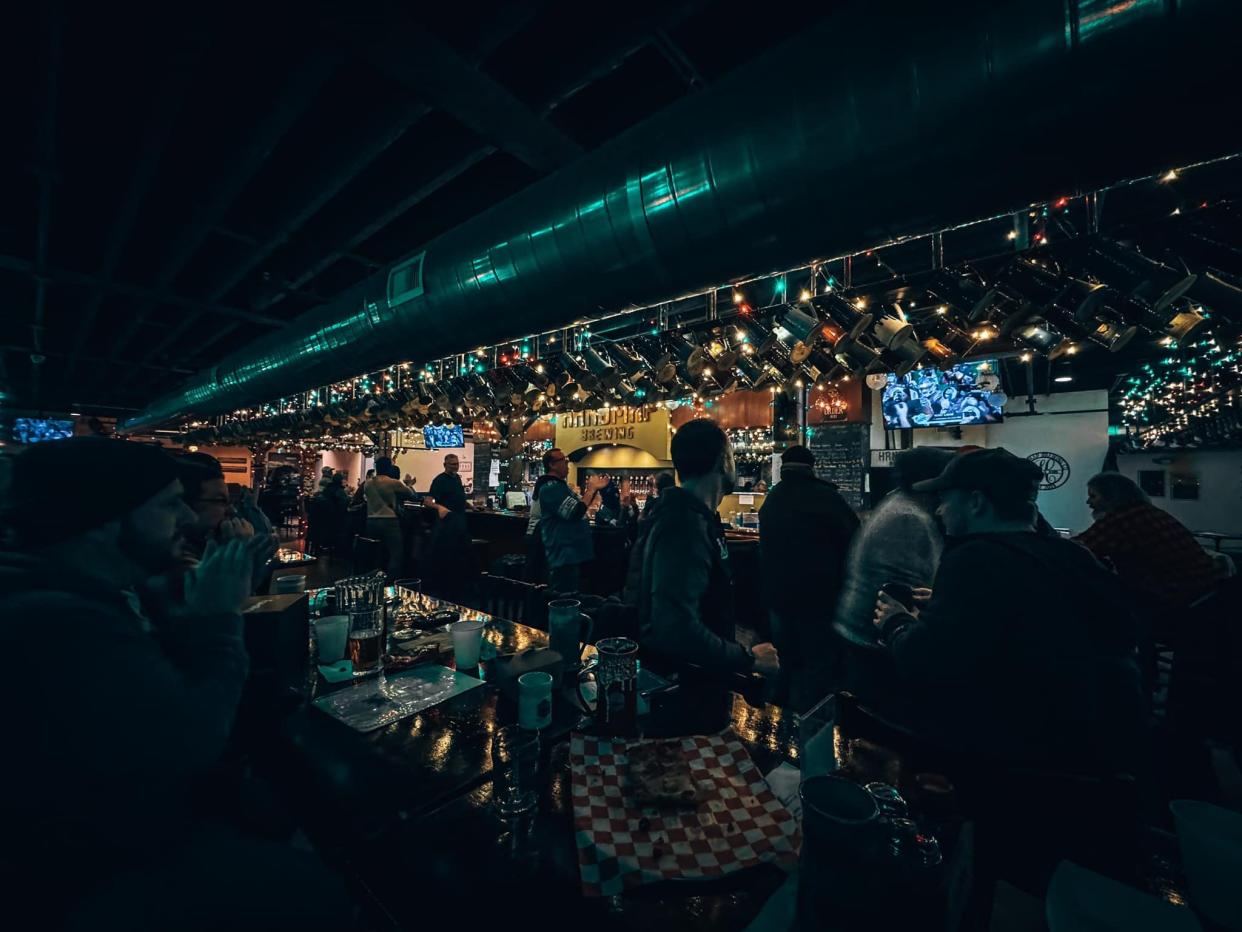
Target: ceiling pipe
(865,127)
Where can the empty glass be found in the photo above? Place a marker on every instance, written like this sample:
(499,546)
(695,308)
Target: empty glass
(816,739)
(515,762)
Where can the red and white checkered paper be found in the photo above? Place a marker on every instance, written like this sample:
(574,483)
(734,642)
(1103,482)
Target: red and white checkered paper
(621,844)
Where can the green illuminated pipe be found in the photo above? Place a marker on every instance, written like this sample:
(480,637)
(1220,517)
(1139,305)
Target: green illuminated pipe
(870,124)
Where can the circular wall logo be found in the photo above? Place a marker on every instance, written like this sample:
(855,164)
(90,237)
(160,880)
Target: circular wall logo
(1056,470)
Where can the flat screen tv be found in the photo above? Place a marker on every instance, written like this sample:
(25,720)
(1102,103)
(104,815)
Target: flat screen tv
(38,429)
(963,395)
(437,436)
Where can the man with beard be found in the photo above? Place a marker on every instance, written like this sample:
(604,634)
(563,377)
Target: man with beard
(685,588)
(122,710)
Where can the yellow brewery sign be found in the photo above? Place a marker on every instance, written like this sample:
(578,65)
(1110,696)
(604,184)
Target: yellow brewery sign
(630,427)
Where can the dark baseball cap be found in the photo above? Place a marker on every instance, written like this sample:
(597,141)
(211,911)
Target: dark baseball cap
(996,472)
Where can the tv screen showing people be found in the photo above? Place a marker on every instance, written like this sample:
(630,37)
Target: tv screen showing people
(963,395)
(36,430)
(439,436)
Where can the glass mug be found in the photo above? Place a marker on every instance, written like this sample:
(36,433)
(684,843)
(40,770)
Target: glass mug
(615,668)
(366,639)
(569,631)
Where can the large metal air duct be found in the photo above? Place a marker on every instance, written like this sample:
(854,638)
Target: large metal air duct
(878,121)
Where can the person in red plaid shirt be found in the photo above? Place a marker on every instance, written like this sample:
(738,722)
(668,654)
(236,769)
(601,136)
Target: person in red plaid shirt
(1148,547)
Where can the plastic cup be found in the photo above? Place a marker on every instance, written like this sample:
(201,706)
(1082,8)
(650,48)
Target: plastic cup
(330,634)
(467,643)
(289,584)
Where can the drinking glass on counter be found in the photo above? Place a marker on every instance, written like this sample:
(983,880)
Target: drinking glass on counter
(467,643)
(515,760)
(331,634)
(366,639)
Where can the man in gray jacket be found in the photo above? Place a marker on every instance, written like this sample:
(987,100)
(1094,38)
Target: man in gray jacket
(900,542)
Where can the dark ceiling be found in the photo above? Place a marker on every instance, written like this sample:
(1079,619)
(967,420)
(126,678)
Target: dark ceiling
(175,187)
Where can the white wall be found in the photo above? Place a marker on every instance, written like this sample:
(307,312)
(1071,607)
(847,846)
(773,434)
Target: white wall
(1219,505)
(1073,425)
(351,463)
(425,465)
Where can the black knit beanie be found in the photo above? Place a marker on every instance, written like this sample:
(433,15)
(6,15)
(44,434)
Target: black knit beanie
(62,488)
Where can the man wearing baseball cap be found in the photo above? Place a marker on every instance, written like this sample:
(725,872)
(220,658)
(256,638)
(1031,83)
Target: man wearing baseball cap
(115,711)
(1024,652)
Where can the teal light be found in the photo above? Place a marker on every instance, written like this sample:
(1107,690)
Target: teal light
(655,330)
(639,393)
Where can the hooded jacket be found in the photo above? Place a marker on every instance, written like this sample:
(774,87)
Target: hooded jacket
(805,528)
(1027,654)
(110,722)
(682,587)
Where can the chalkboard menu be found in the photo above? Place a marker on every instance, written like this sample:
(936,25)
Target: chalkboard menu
(841,457)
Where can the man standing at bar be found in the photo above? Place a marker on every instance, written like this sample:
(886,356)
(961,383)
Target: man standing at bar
(685,590)
(1025,652)
(384,497)
(805,528)
(448,553)
(563,523)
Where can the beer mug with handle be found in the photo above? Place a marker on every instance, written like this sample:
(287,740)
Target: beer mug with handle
(569,631)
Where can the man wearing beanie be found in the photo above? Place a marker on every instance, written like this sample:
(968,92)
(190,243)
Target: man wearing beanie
(1024,653)
(113,723)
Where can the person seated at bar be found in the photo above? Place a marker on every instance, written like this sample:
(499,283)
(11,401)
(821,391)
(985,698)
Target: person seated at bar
(245,504)
(448,551)
(138,708)
(805,529)
(684,588)
(663,482)
(207,494)
(1025,653)
(1151,550)
(899,542)
(563,524)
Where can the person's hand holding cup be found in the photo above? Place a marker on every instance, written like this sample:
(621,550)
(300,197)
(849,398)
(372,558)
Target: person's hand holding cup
(222,581)
(767,661)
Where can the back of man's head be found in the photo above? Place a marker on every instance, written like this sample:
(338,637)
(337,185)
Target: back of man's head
(798,455)
(665,480)
(1116,491)
(697,448)
(919,463)
(194,469)
(48,501)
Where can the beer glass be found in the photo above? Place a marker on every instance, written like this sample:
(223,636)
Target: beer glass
(366,638)
(569,631)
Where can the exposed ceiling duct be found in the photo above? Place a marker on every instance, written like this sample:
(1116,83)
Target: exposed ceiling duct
(868,126)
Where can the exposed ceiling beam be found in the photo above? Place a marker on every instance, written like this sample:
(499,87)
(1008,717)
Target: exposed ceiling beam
(45,159)
(69,278)
(297,92)
(675,56)
(172,86)
(335,174)
(177,370)
(438,74)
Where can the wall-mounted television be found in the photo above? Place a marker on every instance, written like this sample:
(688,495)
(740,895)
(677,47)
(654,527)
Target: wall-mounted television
(965,394)
(437,436)
(38,429)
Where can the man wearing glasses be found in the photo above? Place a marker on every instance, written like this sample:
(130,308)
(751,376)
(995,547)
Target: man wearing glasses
(563,523)
(216,519)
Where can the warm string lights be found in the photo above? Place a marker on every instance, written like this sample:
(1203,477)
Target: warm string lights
(1188,398)
(751,444)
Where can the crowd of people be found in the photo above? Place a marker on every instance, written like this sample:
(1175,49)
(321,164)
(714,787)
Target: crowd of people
(952,608)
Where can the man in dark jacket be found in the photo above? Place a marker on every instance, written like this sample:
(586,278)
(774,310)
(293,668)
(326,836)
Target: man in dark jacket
(685,590)
(122,710)
(805,529)
(1025,653)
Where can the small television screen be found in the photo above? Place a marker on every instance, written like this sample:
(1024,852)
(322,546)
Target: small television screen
(447,435)
(963,395)
(36,430)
